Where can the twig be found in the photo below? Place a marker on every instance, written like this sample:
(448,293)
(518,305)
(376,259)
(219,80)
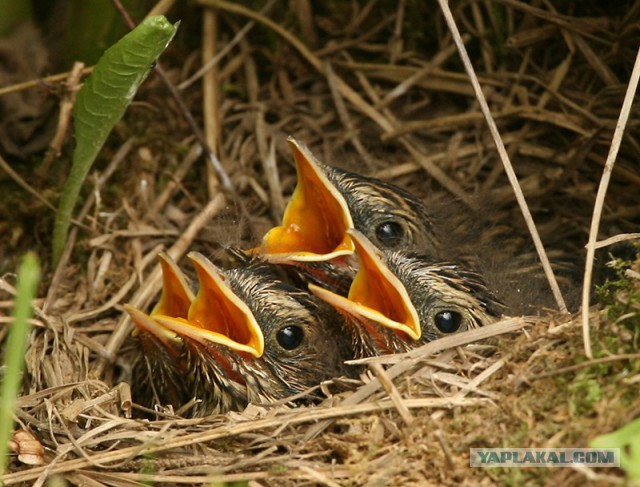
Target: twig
(343,113)
(224,51)
(623,237)
(72,85)
(225,181)
(505,326)
(393,393)
(177,176)
(54,78)
(4,165)
(408,360)
(161,7)
(345,91)
(231,430)
(319,477)
(602,191)
(211,93)
(572,368)
(446,449)
(267,151)
(513,179)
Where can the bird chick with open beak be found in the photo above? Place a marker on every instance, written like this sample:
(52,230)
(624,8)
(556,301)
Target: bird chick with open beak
(398,301)
(312,238)
(328,201)
(247,336)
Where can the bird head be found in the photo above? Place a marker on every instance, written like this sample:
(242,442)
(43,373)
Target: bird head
(304,343)
(398,301)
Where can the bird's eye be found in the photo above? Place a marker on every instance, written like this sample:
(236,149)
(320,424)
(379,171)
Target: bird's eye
(448,321)
(290,337)
(390,233)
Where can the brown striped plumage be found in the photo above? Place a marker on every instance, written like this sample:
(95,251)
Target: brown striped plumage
(390,217)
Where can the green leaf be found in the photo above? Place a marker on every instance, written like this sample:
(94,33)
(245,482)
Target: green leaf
(627,439)
(28,277)
(100,104)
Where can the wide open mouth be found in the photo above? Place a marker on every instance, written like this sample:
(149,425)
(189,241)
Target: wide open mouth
(214,315)
(376,294)
(177,296)
(315,221)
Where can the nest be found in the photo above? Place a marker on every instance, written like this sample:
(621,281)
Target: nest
(379,89)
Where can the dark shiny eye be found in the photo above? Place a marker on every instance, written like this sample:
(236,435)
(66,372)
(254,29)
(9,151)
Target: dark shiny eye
(390,234)
(290,337)
(448,321)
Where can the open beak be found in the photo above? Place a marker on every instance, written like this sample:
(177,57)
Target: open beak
(176,297)
(315,221)
(376,294)
(214,315)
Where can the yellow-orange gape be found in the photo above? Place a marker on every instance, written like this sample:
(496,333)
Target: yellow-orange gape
(327,201)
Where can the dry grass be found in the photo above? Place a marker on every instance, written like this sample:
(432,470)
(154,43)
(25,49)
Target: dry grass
(382,91)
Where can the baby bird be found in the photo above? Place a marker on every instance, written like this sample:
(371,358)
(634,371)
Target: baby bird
(327,202)
(247,336)
(398,301)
